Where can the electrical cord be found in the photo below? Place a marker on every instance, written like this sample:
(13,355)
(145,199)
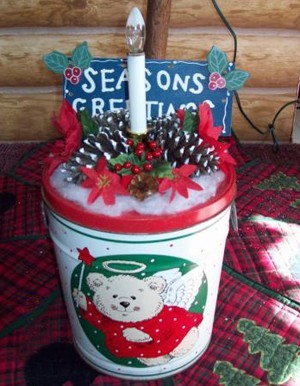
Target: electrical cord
(271,126)
(230,29)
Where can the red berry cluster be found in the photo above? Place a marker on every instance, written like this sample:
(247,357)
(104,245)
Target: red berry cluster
(73,74)
(216,80)
(148,152)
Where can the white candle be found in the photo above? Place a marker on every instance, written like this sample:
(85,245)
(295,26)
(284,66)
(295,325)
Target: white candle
(135,36)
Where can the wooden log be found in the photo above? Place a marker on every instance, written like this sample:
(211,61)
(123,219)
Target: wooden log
(74,13)
(185,13)
(21,57)
(273,61)
(246,14)
(157,27)
(28,116)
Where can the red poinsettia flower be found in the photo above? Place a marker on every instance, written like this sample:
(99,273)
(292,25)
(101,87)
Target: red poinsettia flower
(85,256)
(222,151)
(102,182)
(206,128)
(181,182)
(210,133)
(68,125)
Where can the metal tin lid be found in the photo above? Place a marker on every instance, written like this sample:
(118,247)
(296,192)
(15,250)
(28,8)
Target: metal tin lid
(133,222)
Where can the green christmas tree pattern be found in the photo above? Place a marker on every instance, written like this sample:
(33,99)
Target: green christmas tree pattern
(278,182)
(231,376)
(296,204)
(281,361)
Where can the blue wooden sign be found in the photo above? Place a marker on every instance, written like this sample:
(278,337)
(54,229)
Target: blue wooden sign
(99,84)
(170,85)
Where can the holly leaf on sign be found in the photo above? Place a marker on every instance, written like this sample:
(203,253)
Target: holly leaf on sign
(89,126)
(217,60)
(235,79)
(190,122)
(81,56)
(56,62)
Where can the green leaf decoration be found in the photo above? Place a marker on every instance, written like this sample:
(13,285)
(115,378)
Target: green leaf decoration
(125,172)
(190,122)
(217,60)
(56,62)
(162,169)
(280,360)
(81,56)
(278,182)
(122,158)
(89,126)
(235,79)
(230,376)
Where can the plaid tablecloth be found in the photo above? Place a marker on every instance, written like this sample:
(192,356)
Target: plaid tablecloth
(259,289)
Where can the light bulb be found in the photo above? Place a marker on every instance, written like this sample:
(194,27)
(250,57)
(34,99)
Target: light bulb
(135,31)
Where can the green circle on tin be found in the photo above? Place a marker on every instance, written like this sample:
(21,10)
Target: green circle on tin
(140,266)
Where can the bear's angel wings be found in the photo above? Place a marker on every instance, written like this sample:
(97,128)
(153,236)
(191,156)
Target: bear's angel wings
(181,290)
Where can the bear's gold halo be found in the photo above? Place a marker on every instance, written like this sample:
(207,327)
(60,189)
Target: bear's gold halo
(140,266)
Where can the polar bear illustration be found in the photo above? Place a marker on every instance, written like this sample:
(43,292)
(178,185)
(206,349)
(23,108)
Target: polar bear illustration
(135,320)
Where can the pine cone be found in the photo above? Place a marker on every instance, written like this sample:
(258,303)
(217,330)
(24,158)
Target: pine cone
(143,185)
(114,120)
(181,147)
(109,142)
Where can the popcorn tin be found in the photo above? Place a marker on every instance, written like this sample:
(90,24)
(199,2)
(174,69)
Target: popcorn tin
(141,290)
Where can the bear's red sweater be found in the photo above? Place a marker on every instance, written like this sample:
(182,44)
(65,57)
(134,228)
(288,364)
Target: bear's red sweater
(167,330)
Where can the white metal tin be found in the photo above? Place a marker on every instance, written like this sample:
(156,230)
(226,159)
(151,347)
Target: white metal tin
(148,288)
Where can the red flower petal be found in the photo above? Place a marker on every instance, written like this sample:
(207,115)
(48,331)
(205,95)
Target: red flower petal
(94,194)
(206,127)
(181,188)
(190,184)
(88,183)
(181,182)
(70,128)
(172,194)
(185,170)
(90,173)
(103,182)
(108,197)
(222,150)
(164,185)
(101,165)
(58,147)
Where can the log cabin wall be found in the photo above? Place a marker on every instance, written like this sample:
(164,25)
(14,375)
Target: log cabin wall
(268,34)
